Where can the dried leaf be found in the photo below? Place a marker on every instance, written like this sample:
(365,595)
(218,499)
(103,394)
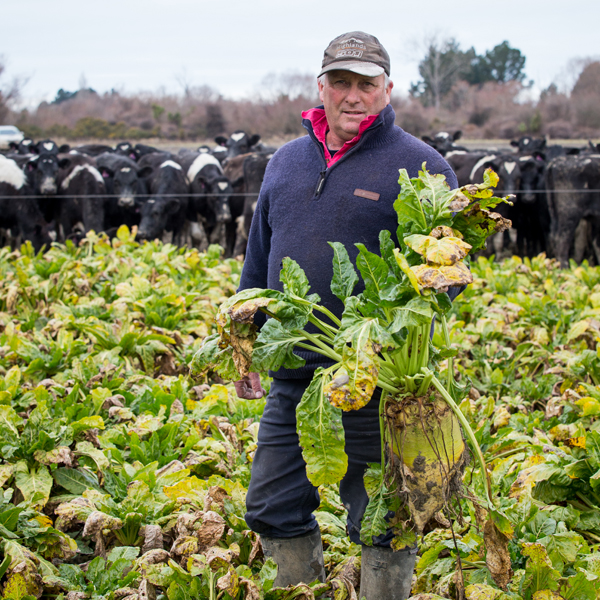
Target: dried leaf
(441,278)
(98,521)
(445,251)
(497,557)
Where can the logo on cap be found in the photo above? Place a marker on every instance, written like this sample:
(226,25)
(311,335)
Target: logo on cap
(349,53)
(351,43)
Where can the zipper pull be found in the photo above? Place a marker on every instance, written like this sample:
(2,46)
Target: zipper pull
(320,183)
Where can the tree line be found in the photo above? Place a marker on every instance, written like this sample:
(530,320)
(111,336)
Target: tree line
(484,95)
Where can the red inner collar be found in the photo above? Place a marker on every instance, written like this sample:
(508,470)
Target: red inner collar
(320,128)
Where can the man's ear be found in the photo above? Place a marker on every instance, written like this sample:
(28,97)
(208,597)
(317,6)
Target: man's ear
(388,91)
(320,84)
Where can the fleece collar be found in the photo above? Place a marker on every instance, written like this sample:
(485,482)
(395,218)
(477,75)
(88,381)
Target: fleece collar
(320,127)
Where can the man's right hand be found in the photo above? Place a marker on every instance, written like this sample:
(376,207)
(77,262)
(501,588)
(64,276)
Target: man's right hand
(249,387)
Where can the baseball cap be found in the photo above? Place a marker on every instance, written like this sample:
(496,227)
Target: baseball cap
(358,52)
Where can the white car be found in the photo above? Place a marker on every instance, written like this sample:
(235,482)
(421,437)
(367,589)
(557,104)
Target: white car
(8,134)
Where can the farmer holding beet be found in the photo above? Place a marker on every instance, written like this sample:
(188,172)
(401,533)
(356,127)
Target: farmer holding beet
(338,184)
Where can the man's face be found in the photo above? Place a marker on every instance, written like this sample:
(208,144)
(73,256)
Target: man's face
(349,98)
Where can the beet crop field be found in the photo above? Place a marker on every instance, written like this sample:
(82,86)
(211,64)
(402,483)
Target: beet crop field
(122,475)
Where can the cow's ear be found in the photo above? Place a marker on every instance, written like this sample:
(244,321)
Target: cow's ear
(514,143)
(15,146)
(64,163)
(106,172)
(31,165)
(457,135)
(254,139)
(173,205)
(539,156)
(221,140)
(145,172)
(64,149)
(427,139)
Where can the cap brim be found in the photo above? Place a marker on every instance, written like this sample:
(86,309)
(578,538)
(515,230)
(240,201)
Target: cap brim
(361,68)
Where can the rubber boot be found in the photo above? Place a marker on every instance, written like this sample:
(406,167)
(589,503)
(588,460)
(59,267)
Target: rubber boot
(385,574)
(298,559)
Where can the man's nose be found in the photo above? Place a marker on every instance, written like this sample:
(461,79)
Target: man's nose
(353,94)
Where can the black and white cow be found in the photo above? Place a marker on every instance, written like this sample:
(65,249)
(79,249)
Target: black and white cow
(209,207)
(20,216)
(573,187)
(82,195)
(239,142)
(90,149)
(49,147)
(529,145)
(23,147)
(166,208)
(444,142)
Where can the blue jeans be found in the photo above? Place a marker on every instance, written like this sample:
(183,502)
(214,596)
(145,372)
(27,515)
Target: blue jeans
(280,499)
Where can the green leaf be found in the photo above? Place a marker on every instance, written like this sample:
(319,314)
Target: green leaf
(293,278)
(88,449)
(357,330)
(321,434)
(373,522)
(374,271)
(539,572)
(578,587)
(34,483)
(407,205)
(274,347)
(76,481)
(415,312)
(344,275)
(94,422)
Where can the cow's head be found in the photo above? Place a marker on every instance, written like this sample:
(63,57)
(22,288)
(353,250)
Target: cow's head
(239,142)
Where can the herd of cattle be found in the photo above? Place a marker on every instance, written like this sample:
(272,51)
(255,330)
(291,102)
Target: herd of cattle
(191,198)
(556,208)
(208,196)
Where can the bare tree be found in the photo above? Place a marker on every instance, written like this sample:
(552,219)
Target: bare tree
(9,91)
(567,78)
(440,68)
(290,85)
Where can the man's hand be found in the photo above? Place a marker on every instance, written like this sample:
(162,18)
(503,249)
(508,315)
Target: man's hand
(249,388)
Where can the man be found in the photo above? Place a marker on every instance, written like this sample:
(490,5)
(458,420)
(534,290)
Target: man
(338,183)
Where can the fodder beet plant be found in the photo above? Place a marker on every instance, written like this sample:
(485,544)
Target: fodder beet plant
(381,341)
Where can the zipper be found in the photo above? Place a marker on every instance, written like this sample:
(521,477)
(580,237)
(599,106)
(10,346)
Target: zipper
(320,183)
(323,174)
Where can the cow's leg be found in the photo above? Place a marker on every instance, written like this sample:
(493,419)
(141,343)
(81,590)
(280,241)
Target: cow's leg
(582,237)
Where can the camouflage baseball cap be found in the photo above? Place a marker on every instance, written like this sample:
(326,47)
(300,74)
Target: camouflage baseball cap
(358,52)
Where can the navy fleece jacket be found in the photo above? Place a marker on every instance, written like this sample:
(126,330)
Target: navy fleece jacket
(303,205)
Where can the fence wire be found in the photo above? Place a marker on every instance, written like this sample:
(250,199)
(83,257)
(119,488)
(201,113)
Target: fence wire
(234,195)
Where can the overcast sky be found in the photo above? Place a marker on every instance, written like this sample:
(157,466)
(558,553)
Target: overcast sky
(232,45)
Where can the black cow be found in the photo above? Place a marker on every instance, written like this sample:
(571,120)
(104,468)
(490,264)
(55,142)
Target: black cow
(246,173)
(126,188)
(20,217)
(210,208)
(443,142)
(82,192)
(573,184)
(530,215)
(166,208)
(239,142)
